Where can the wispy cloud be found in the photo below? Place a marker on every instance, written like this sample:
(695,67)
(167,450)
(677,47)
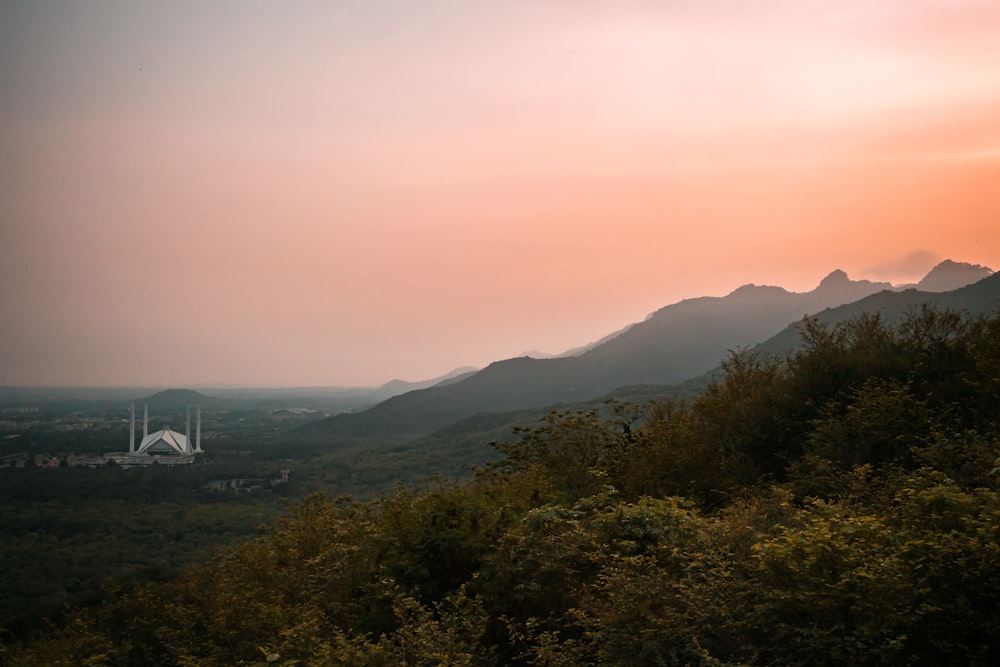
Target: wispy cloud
(908,268)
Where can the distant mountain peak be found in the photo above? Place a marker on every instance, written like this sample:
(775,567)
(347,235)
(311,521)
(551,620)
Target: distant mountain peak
(836,278)
(950,275)
(839,282)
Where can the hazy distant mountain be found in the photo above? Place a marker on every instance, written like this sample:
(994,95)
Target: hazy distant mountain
(456,376)
(949,275)
(687,338)
(396,387)
(577,351)
(176,398)
(673,344)
(979,298)
(464,441)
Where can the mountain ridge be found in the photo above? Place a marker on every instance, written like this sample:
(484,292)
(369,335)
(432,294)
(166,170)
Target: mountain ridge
(673,344)
(978,298)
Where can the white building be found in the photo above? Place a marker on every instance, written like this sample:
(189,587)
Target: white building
(165,445)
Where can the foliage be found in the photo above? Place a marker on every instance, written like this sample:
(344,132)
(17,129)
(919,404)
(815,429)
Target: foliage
(839,506)
(66,531)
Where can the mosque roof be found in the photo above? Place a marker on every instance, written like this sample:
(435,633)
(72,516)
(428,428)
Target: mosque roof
(164,441)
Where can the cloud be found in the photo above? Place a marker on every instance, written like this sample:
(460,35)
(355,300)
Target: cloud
(911,267)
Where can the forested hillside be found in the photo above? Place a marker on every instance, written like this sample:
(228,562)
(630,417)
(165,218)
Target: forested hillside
(836,506)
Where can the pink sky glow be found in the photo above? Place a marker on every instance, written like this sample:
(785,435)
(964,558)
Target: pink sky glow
(342,193)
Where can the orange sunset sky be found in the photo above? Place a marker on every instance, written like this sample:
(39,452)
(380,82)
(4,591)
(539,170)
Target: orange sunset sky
(342,193)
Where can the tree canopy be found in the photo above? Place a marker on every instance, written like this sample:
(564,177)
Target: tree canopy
(836,506)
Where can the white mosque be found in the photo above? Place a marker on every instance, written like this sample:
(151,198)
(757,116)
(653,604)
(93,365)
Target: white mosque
(165,446)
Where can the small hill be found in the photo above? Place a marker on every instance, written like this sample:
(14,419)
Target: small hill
(176,398)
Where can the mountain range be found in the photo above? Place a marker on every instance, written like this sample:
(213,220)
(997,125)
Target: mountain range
(676,343)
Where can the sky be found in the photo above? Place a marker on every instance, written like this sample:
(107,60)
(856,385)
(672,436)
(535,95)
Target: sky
(343,193)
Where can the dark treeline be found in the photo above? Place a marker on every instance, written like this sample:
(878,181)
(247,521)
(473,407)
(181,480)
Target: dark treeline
(835,507)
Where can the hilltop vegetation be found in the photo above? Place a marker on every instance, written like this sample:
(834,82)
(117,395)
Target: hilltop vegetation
(835,506)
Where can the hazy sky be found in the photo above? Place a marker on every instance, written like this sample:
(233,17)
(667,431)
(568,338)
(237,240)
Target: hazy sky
(339,193)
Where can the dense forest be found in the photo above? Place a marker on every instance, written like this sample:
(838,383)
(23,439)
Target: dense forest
(64,531)
(834,506)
